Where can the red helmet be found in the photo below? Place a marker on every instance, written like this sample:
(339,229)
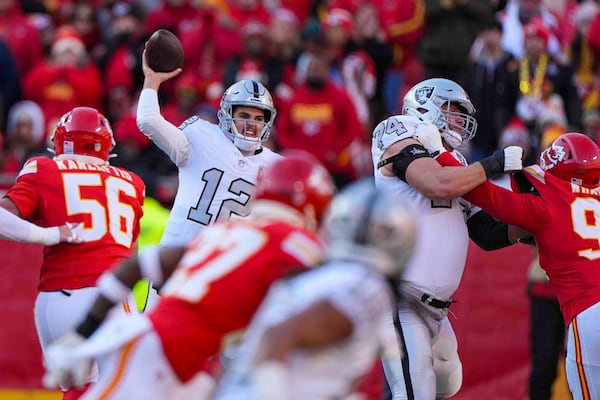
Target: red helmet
(83,131)
(575,158)
(300,181)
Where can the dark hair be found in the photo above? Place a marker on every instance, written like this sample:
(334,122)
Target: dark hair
(491,23)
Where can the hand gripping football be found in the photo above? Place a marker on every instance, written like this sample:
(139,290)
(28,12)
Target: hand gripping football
(164,52)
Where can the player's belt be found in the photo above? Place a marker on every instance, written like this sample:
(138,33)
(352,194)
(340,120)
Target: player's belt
(433,302)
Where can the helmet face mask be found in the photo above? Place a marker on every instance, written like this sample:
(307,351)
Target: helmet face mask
(445,104)
(248,93)
(574,158)
(371,226)
(83,131)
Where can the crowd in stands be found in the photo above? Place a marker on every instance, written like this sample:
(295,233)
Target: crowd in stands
(335,68)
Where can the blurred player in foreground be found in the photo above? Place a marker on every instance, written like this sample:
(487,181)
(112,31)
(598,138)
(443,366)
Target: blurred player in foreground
(558,201)
(212,294)
(317,333)
(78,186)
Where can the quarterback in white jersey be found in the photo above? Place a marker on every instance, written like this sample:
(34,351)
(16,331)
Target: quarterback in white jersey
(316,333)
(218,164)
(431,367)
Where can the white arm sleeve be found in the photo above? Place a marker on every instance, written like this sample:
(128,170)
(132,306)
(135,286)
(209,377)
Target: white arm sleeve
(164,134)
(15,228)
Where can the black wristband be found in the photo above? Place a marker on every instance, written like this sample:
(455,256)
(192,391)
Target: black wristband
(88,326)
(494,164)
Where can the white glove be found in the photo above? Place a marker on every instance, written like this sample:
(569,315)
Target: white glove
(513,158)
(271,381)
(62,369)
(429,136)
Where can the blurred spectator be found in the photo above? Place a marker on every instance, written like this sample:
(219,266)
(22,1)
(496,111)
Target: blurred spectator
(10,87)
(368,35)
(547,333)
(197,39)
(450,30)
(320,118)
(46,30)
(593,36)
(171,15)
(119,57)
(403,22)
(300,8)
(227,36)
(120,102)
(66,79)
(488,80)
(83,19)
(254,61)
(25,132)
(515,133)
(546,86)
(591,124)
(286,46)
(353,68)
(20,35)
(186,100)
(519,13)
(583,60)
(136,151)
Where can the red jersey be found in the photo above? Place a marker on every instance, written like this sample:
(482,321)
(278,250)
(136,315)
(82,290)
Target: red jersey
(323,122)
(107,200)
(565,221)
(220,282)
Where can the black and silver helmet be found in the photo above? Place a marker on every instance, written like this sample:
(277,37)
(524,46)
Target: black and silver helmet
(372,226)
(248,93)
(430,101)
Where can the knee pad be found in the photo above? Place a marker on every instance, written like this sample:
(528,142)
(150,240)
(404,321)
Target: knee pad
(447,366)
(448,376)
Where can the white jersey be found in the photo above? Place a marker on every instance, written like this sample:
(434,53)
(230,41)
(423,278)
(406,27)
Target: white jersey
(215,179)
(327,373)
(439,257)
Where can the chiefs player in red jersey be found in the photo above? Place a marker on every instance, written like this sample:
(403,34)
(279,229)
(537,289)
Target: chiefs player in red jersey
(78,186)
(558,201)
(211,295)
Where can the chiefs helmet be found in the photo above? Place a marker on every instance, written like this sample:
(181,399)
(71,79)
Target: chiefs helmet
(371,226)
(430,100)
(575,158)
(248,93)
(298,181)
(83,131)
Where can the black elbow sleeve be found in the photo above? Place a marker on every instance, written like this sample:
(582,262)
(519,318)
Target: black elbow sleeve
(404,158)
(487,232)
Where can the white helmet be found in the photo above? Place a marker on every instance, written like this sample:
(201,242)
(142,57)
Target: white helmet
(372,226)
(430,101)
(248,93)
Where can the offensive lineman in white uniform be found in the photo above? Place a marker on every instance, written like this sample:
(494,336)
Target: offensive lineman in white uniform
(316,333)
(218,164)
(430,368)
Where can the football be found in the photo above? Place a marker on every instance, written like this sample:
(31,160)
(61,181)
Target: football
(164,52)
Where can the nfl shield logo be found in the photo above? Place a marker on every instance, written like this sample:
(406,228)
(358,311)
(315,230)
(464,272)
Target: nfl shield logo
(423,94)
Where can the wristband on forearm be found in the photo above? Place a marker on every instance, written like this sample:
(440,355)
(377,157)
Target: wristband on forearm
(88,326)
(494,164)
(45,236)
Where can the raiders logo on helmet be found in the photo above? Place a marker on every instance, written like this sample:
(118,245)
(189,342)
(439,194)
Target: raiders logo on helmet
(423,94)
